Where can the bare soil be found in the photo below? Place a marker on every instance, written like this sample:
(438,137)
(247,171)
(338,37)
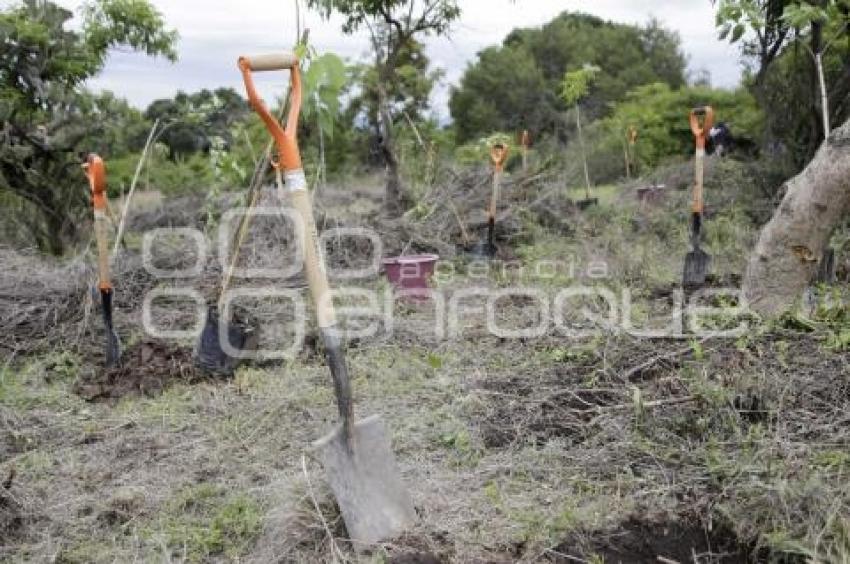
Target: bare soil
(147,368)
(644,540)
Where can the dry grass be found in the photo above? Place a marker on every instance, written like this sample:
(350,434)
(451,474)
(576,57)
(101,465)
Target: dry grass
(515,450)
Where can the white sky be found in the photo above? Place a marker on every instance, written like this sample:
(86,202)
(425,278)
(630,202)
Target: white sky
(213,33)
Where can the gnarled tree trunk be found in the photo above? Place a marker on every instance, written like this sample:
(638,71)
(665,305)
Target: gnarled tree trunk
(790,246)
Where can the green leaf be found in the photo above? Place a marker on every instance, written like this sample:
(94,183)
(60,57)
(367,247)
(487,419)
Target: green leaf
(738,32)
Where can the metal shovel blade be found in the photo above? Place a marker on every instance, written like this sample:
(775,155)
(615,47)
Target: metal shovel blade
(210,355)
(483,250)
(587,203)
(486,249)
(697,264)
(113,343)
(364,478)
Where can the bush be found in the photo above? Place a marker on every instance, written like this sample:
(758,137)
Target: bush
(661,117)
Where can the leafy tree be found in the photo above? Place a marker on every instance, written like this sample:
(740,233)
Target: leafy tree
(816,18)
(45,116)
(771,31)
(394,26)
(192,123)
(758,25)
(794,121)
(517,95)
(518,85)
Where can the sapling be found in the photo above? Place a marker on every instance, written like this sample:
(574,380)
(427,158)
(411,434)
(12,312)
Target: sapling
(574,88)
(802,16)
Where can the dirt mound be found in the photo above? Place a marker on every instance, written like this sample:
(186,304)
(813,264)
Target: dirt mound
(642,539)
(147,369)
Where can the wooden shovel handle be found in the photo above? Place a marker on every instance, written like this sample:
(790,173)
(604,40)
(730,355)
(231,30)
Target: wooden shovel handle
(296,186)
(320,290)
(317,277)
(494,197)
(498,156)
(700,132)
(95,170)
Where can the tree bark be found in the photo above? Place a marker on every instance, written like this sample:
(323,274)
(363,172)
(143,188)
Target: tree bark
(790,246)
(392,196)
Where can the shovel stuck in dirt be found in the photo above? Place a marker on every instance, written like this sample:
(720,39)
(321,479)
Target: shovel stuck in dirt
(498,156)
(357,455)
(697,262)
(96,173)
(221,336)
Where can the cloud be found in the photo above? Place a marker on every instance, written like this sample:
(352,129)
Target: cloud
(215,32)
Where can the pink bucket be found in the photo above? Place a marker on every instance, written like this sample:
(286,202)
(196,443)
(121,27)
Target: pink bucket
(410,272)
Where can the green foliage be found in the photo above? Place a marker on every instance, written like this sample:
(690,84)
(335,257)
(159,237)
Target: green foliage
(191,122)
(433,15)
(323,84)
(661,117)
(52,120)
(735,18)
(394,26)
(576,84)
(132,23)
(181,176)
(478,153)
(518,85)
(491,99)
(39,52)
(783,36)
(408,90)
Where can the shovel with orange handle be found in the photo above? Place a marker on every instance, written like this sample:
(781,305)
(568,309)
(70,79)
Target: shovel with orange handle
(525,141)
(498,157)
(697,262)
(96,172)
(357,455)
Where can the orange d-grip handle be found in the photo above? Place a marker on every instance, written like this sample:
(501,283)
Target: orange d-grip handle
(499,156)
(96,173)
(289,157)
(701,131)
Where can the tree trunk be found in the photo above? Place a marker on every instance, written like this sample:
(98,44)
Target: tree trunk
(392,196)
(790,246)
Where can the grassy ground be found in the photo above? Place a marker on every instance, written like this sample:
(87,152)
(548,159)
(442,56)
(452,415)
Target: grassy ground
(605,448)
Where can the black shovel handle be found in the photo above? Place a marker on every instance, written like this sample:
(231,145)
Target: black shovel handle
(113,351)
(342,383)
(696,228)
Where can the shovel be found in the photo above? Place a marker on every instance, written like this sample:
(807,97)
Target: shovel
(498,156)
(525,142)
(697,262)
(96,173)
(356,455)
(210,355)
